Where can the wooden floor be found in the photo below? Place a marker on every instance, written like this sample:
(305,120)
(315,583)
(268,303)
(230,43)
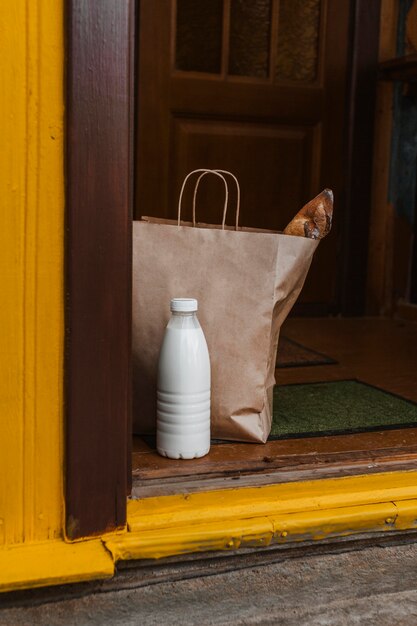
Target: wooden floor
(377,351)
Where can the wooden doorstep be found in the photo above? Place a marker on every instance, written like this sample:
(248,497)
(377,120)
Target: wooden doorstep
(263,515)
(149,488)
(236,458)
(377,351)
(241,465)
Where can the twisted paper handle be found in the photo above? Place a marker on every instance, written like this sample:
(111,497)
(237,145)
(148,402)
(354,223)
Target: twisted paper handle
(237,193)
(218,173)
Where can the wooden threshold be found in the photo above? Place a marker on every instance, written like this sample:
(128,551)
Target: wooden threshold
(377,351)
(232,519)
(240,464)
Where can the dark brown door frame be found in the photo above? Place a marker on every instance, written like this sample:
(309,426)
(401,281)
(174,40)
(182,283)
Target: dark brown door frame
(99,71)
(358,157)
(99,82)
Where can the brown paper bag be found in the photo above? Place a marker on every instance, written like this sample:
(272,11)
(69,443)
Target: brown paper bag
(245,281)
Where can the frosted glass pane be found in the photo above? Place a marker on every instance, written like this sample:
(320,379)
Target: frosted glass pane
(199,35)
(298,40)
(250,25)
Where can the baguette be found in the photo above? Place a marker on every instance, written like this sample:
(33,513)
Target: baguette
(314,220)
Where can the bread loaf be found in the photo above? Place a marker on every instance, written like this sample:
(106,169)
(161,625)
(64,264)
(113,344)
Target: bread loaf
(314,220)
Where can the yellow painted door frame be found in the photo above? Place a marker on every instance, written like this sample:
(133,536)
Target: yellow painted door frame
(34,550)
(31,271)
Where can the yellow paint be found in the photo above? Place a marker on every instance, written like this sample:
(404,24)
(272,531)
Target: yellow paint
(31,270)
(198,538)
(252,532)
(245,517)
(32,549)
(231,518)
(406,514)
(222,520)
(272,500)
(334,522)
(53,563)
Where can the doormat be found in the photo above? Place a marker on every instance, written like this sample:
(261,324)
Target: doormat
(293,354)
(337,407)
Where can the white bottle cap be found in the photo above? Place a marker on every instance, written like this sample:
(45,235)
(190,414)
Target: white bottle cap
(184,305)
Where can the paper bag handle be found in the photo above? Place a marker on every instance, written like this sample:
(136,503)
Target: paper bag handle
(216,173)
(237,193)
(206,171)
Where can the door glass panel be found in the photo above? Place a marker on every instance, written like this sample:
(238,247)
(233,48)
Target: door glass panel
(298,40)
(250,25)
(199,35)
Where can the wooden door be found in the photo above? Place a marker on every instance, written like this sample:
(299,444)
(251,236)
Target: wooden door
(254,87)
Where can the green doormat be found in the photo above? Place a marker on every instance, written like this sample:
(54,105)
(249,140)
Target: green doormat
(337,407)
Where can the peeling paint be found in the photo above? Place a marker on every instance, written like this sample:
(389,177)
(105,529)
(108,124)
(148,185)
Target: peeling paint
(294,512)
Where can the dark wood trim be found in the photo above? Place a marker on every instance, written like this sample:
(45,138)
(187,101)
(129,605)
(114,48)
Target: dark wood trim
(365,24)
(402,68)
(134,28)
(98,263)
(406,310)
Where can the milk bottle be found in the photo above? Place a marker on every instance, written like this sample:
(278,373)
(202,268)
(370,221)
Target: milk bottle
(183,393)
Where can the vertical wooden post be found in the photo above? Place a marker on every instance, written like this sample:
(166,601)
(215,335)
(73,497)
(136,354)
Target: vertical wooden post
(379,283)
(98,264)
(365,20)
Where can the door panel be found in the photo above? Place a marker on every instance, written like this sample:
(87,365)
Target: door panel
(265,203)
(256,87)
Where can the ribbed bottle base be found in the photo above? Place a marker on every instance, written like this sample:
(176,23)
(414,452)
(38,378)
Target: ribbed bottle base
(176,454)
(183,424)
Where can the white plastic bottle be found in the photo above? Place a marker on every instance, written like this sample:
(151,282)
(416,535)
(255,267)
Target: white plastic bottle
(183,395)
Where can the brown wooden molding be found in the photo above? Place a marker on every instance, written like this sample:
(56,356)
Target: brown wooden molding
(402,68)
(406,311)
(365,23)
(98,263)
